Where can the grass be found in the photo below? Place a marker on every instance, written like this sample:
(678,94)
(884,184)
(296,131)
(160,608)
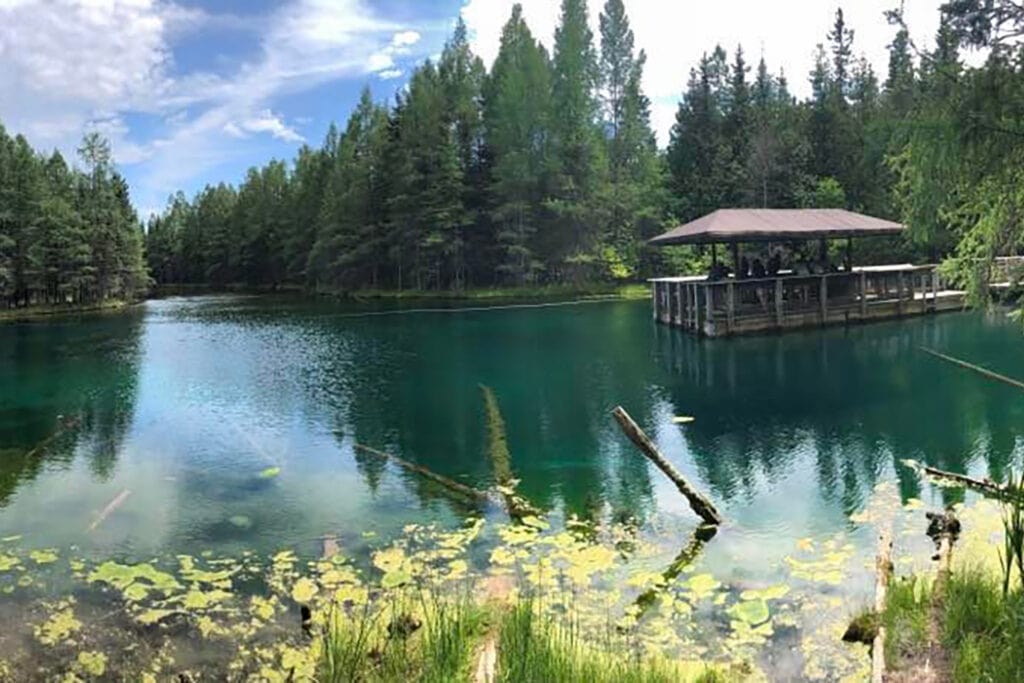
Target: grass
(432,642)
(906,615)
(535,649)
(984,631)
(443,640)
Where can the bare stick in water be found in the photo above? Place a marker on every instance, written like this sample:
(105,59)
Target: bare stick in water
(883,572)
(118,500)
(700,503)
(449,484)
(976,368)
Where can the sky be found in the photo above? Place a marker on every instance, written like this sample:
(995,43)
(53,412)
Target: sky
(191,92)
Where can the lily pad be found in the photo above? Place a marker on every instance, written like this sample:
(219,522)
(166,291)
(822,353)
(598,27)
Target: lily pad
(752,612)
(702,585)
(240,521)
(304,590)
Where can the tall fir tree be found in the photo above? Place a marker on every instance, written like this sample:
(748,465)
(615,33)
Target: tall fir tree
(579,162)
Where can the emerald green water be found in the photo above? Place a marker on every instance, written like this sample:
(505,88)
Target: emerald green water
(184,402)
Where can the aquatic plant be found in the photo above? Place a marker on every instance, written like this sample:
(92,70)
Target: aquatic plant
(1011,555)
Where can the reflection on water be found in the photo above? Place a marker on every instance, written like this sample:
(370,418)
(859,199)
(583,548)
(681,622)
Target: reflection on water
(187,403)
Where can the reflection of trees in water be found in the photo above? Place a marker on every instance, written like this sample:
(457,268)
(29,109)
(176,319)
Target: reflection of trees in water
(409,385)
(858,400)
(71,387)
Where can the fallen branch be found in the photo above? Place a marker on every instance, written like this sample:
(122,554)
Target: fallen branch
(976,368)
(698,502)
(450,484)
(985,486)
(63,425)
(883,572)
(118,500)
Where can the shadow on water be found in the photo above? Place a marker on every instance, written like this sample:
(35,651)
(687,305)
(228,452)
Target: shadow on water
(858,399)
(83,401)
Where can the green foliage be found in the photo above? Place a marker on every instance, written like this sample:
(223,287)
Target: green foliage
(907,609)
(1011,556)
(67,237)
(983,629)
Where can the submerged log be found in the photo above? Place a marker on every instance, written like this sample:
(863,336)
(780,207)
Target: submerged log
(516,506)
(450,484)
(118,500)
(883,572)
(698,502)
(63,426)
(976,368)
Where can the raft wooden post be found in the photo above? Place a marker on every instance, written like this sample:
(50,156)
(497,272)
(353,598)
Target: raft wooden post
(730,306)
(899,293)
(698,502)
(778,301)
(823,296)
(709,300)
(883,571)
(935,289)
(863,294)
(678,317)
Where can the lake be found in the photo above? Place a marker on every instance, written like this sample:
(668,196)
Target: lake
(225,423)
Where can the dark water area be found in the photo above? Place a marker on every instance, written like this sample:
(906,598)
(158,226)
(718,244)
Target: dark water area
(188,403)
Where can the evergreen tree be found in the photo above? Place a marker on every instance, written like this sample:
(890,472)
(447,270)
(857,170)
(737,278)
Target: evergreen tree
(634,206)
(517,120)
(579,162)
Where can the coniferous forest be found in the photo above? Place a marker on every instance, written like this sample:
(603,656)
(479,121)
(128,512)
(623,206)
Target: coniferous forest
(544,169)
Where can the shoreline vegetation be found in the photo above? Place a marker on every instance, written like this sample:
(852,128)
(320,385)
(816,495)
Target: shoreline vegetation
(46,311)
(631,291)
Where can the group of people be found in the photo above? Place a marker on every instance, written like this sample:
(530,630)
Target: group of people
(759,269)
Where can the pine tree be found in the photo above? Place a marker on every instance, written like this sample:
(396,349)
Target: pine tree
(517,108)
(634,169)
(462,76)
(698,153)
(580,165)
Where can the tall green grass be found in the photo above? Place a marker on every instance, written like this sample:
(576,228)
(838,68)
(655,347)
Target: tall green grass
(535,649)
(428,640)
(983,630)
(906,615)
(532,648)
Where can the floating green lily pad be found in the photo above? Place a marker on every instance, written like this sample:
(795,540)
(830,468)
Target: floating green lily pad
(752,612)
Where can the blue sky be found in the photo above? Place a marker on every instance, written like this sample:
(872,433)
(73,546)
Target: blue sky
(196,91)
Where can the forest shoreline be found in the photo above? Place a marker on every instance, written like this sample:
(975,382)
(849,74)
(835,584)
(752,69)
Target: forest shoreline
(629,292)
(33,313)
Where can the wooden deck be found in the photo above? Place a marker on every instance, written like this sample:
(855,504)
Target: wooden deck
(735,307)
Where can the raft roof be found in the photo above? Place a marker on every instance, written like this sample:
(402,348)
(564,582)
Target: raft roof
(776,225)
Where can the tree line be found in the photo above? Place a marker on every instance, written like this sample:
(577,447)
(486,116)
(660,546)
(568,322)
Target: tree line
(545,169)
(67,236)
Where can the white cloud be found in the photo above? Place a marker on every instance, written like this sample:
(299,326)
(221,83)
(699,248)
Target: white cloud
(675,34)
(390,74)
(68,65)
(406,39)
(264,122)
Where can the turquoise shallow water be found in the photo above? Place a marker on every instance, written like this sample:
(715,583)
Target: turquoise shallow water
(184,402)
